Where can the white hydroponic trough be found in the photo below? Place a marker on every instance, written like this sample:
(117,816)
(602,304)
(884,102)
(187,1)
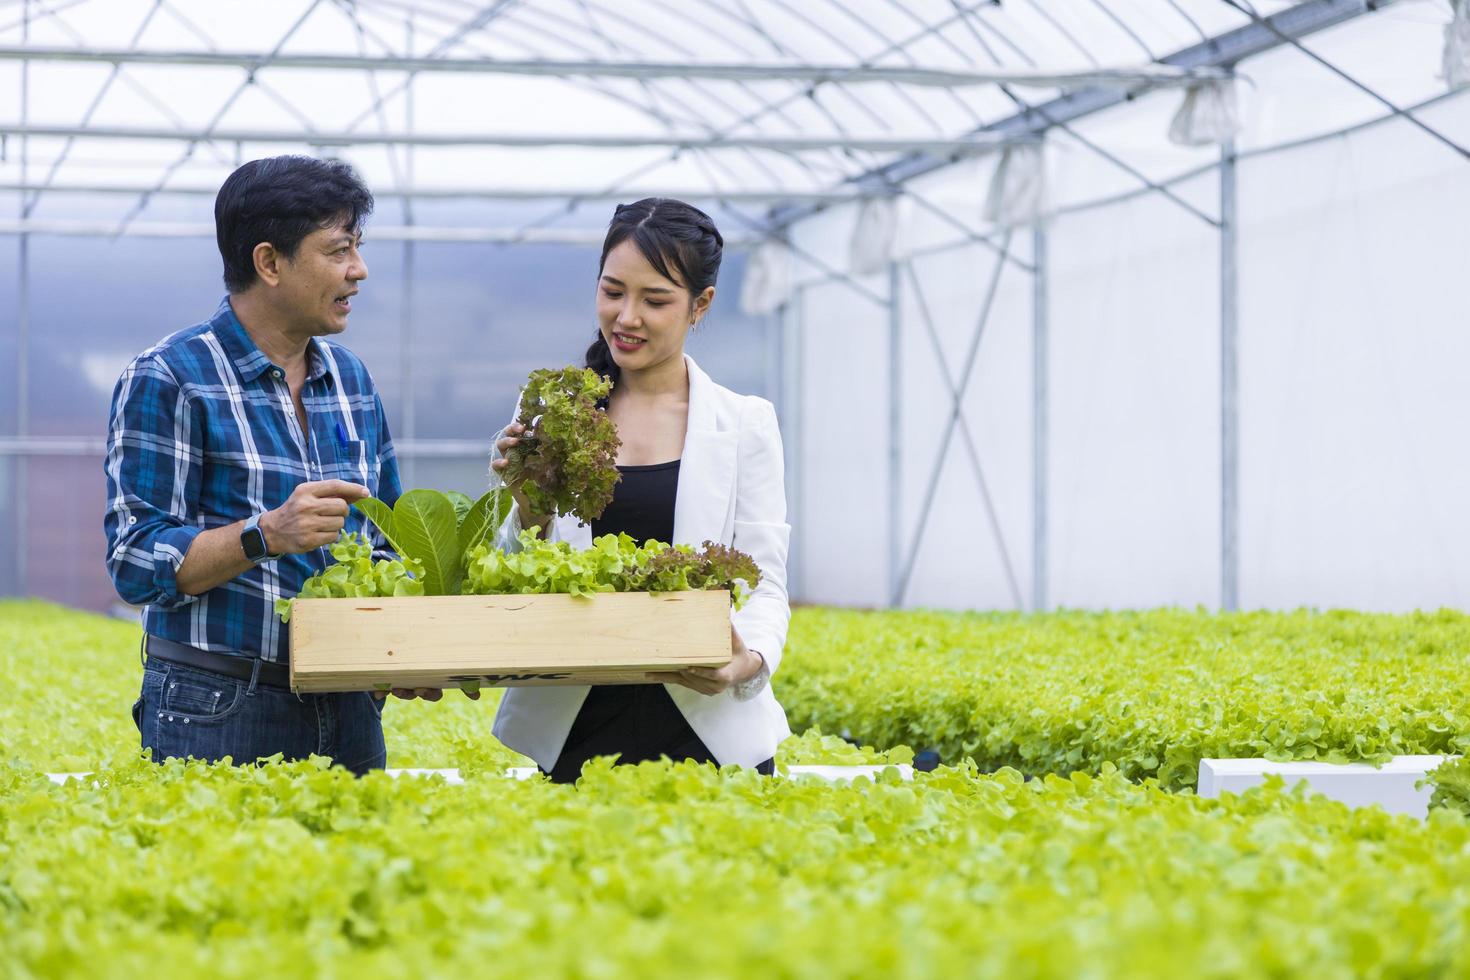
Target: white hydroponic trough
(830,773)
(1393,786)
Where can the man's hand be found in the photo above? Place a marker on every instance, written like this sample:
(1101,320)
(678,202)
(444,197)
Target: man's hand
(427,693)
(744,664)
(312,517)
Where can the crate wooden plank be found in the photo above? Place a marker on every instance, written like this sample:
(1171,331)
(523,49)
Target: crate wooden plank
(504,641)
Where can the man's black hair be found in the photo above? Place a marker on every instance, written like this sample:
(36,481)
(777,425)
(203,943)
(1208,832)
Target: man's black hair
(281,200)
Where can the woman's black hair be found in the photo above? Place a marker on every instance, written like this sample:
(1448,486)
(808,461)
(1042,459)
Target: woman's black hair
(281,200)
(678,240)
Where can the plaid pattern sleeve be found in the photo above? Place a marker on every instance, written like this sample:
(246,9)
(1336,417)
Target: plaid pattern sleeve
(203,434)
(149,525)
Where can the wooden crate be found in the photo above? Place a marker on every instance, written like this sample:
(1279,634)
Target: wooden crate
(504,640)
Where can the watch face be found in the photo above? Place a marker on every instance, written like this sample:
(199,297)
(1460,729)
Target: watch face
(253,541)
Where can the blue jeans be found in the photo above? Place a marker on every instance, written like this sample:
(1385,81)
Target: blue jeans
(184,712)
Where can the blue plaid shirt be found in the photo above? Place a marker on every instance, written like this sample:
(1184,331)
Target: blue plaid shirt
(202,434)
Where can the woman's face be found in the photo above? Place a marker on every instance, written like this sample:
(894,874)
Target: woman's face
(643,316)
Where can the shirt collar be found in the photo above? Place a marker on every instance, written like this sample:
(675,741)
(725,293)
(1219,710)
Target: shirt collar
(249,359)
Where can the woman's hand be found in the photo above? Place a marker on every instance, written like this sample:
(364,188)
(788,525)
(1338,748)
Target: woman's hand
(510,436)
(744,664)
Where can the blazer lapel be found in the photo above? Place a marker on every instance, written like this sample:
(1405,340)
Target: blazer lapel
(706,468)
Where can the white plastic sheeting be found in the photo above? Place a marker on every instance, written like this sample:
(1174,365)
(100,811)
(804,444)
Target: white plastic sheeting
(1457,46)
(1351,355)
(1017,192)
(871,248)
(1208,114)
(1354,349)
(767,284)
(969,552)
(1134,461)
(841,529)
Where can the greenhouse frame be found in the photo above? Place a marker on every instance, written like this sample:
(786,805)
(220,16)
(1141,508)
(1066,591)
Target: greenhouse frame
(1087,305)
(1049,561)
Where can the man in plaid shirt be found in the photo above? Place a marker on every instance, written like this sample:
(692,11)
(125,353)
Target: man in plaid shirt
(234,450)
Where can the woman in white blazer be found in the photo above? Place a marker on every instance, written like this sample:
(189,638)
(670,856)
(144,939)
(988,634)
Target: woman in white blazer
(698,462)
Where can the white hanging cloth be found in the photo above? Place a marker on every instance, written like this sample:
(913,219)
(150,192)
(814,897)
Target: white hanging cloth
(1017,193)
(1209,114)
(873,236)
(767,284)
(1457,46)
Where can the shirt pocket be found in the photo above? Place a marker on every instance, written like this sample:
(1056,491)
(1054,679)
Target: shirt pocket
(349,462)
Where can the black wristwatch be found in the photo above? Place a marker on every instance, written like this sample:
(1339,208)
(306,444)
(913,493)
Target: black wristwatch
(252,540)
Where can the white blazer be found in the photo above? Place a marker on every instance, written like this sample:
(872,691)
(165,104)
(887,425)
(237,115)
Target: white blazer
(731,490)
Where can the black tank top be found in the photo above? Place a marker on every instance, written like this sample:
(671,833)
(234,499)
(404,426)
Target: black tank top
(643,503)
(637,722)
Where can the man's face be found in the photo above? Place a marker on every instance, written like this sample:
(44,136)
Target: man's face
(318,283)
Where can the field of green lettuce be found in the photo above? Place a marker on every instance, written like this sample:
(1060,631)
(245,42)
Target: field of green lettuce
(1149,692)
(72,678)
(682,870)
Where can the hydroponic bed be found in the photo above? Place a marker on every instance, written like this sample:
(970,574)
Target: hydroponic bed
(668,870)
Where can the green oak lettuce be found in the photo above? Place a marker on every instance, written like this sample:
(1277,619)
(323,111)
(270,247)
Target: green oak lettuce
(1451,783)
(666,870)
(1150,692)
(614,563)
(566,463)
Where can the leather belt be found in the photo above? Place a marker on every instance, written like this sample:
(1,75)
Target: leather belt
(241,667)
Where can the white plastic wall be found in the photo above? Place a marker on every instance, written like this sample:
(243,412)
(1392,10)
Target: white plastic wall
(1354,339)
(1134,468)
(1355,342)
(969,554)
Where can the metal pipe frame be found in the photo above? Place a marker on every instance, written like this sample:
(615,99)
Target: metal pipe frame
(117,74)
(793,351)
(808,74)
(87,446)
(219,113)
(950,147)
(1229,384)
(590,237)
(957,422)
(920,157)
(1218,52)
(771,377)
(407,268)
(895,431)
(21,514)
(1264,151)
(1192,174)
(1040,432)
(776,106)
(1372,93)
(750,196)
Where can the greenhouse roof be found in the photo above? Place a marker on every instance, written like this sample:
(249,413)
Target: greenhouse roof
(772,107)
